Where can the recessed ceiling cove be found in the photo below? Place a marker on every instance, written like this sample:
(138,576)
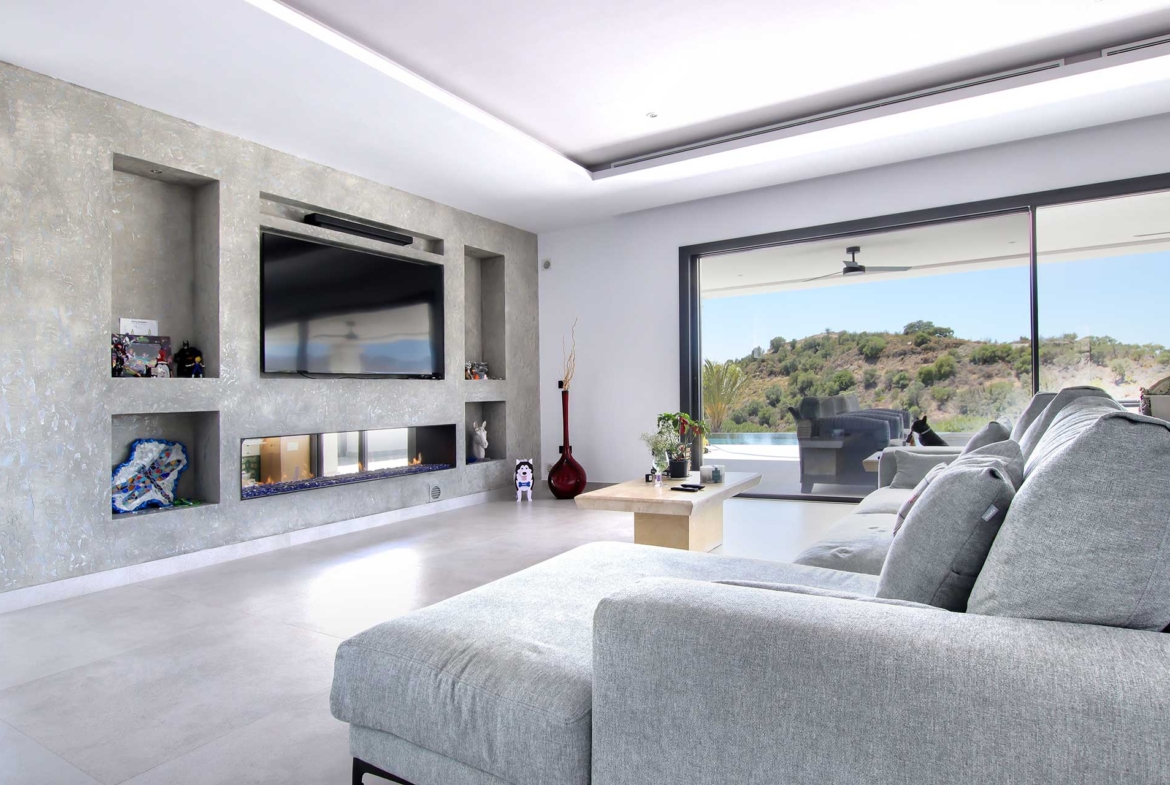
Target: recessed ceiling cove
(610,80)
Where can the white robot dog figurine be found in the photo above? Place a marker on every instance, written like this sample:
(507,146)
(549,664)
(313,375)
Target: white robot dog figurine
(524,474)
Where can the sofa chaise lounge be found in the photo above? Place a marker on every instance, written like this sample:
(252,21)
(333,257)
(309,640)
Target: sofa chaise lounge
(621,664)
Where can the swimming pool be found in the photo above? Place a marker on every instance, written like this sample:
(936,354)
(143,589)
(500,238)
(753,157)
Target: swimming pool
(785,439)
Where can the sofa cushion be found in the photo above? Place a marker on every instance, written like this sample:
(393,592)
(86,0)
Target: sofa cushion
(915,495)
(1087,538)
(1035,407)
(1063,398)
(500,678)
(1073,420)
(994,431)
(857,544)
(1004,456)
(940,549)
(913,466)
(883,500)
(830,593)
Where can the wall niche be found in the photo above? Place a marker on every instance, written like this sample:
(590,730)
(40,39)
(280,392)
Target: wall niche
(484,314)
(165,253)
(197,431)
(496,415)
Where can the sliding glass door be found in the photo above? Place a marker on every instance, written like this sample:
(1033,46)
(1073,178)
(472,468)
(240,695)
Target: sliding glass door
(1103,278)
(817,355)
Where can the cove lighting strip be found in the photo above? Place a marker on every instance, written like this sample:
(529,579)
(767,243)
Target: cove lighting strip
(405,76)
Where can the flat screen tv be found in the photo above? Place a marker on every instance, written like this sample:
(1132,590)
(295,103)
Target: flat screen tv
(336,311)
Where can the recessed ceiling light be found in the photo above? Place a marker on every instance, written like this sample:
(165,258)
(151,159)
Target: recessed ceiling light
(652,115)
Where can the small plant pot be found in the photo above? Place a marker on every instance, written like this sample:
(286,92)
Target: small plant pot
(680,468)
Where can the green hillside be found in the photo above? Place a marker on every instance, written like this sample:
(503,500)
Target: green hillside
(958,383)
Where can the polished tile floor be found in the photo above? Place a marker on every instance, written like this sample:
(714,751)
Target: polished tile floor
(221,675)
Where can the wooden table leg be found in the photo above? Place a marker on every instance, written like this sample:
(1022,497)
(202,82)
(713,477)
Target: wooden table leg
(702,531)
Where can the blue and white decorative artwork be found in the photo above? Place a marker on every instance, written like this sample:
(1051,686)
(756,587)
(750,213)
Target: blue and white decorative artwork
(149,477)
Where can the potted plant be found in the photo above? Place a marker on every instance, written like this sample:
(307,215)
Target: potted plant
(674,440)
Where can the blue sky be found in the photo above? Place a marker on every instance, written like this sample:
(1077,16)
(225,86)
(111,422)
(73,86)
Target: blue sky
(1124,297)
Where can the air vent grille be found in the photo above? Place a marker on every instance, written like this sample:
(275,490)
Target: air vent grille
(436,493)
(848,110)
(1136,45)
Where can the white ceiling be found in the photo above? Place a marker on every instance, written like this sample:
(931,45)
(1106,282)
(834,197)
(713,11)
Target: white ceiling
(1087,230)
(543,83)
(581,77)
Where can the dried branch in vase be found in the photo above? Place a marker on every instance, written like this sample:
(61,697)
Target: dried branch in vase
(570,359)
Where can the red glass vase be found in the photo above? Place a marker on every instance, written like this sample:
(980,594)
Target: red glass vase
(566,479)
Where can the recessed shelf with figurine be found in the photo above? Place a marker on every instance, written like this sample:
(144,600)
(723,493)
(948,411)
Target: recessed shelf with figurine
(165,260)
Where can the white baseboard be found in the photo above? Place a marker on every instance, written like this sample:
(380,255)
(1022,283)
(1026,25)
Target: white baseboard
(122,576)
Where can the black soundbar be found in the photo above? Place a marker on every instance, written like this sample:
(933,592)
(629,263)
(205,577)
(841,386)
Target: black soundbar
(361,230)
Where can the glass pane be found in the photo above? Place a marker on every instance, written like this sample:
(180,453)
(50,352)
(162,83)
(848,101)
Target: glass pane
(1103,277)
(388,448)
(340,453)
(812,365)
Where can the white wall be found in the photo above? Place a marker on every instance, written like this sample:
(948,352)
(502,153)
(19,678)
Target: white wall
(620,276)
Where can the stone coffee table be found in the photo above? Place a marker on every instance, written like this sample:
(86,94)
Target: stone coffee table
(672,519)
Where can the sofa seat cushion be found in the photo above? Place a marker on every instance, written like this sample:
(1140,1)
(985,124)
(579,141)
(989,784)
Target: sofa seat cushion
(858,543)
(884,500)
(500,678)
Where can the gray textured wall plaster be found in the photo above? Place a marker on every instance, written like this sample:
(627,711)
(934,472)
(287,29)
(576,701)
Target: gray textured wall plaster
(58,222)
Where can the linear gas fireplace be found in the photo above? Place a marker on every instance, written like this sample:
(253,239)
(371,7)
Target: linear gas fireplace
(272,465)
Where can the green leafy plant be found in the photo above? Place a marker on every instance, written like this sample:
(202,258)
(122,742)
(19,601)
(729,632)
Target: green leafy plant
(723,387)
(684,430)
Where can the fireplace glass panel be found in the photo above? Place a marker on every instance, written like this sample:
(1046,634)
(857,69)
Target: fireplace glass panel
(274,465)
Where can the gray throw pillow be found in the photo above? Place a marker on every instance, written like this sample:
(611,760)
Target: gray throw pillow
(994,431)
(1005,456)
(907,505)
(1087,538)
(940,550)
(912,467)
(1063,398)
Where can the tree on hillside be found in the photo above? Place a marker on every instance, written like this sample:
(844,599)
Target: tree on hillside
(872,347)
(929,328)
(724,385)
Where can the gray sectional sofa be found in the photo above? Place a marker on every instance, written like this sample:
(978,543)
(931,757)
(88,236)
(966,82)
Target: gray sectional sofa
(620,664)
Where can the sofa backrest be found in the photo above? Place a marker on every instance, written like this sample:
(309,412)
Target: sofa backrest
(1087,537)
(1076,417)
(814,407)
(1036,406)
(1035,431)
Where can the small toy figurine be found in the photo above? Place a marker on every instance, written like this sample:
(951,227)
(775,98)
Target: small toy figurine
(197,368)
(524,474)
(185,360)
(479,441)
(475,370)
(162,367)
(119,353)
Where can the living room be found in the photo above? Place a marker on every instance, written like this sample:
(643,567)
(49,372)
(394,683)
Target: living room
(445,309)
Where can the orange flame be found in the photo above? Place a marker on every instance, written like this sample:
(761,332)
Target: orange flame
(416,461)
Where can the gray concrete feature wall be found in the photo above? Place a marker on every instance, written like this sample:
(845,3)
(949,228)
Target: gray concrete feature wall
(80,228)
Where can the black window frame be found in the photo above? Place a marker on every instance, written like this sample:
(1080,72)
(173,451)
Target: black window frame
(690,312)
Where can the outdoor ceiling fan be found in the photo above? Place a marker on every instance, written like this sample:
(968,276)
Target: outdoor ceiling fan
(853,268)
